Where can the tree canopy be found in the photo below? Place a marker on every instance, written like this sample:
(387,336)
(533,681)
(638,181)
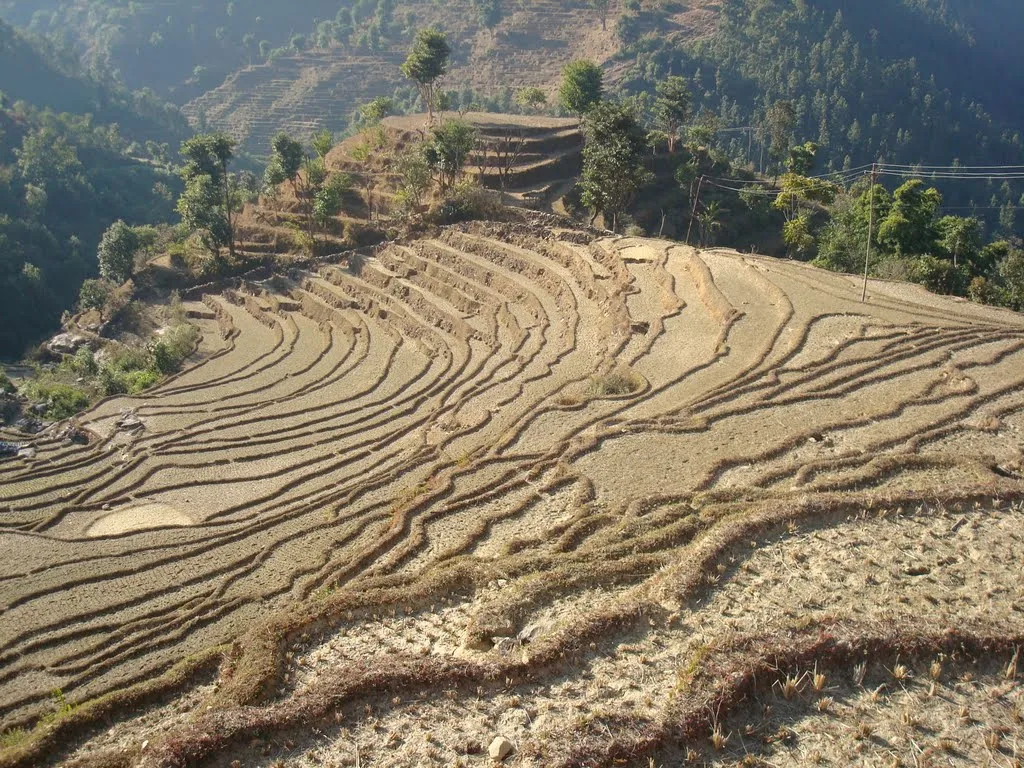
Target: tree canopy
(426,63)
(582,86)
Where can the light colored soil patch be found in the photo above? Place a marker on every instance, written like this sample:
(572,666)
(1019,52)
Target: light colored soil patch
(138,518)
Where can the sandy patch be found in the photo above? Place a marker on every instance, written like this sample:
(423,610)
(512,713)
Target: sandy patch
(142,517)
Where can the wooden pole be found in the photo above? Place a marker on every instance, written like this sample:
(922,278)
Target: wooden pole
(871,232)
(693,214)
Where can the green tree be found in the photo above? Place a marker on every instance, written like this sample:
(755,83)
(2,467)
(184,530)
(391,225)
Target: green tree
(960,238)
(488,12)
(328,199)
(426,64)
(322,143)
(582,86)
(780,122)
(601,6)
(375,111)
(1011,274)
(450,146)
(116,253)
(531,98)
(613,170)
(672,108)
(201,208)
(909,228)
(208,156)
(802,158)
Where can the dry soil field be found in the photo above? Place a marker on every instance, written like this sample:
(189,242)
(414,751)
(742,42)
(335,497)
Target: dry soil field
(615,501)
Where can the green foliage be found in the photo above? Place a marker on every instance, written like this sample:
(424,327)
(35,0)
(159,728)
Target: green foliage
(116,252)
(94,294)
(207,203)
(582,86)
(64,179)
(909,226)
(427,63)
(62,400)
(1011,274)
(613,169)
(531,98)
(488,12)
(327,200)
(450,144)
(802,158)
(201,209)
(672,107)
(6,385)
(287,158)
(414,171)
(375,111)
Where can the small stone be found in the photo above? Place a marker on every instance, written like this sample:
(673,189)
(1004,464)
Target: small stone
(145,744)
(530,633)
(500,748)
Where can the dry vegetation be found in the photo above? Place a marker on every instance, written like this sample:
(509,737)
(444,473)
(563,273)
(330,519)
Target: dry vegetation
(321,87)
(611,499)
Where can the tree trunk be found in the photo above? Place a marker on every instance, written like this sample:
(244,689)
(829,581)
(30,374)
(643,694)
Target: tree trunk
(227,209)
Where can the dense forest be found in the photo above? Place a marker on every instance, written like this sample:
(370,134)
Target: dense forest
(901,82)
(75,155)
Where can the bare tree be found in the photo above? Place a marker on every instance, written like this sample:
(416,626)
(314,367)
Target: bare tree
(500,153)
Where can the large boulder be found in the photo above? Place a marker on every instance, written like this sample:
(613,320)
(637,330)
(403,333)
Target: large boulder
(66,343)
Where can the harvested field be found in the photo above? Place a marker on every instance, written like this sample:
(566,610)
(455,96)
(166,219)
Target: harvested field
(602,497)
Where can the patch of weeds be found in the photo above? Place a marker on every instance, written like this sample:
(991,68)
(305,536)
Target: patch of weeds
(6,385)
(62,400)
(621,381)
(13,737)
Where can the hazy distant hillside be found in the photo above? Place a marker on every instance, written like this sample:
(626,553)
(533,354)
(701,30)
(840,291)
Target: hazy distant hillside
(37,72)
(67,173)
(160,44)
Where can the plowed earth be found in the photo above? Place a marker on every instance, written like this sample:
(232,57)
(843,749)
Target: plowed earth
(597,496)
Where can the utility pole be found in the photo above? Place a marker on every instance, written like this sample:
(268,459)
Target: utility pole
(693,214)
(871,231)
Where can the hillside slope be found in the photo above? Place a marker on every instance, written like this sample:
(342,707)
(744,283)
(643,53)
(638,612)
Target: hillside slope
(402,488)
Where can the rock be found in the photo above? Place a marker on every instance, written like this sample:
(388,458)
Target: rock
(531,633)
(73,434)
(27,453)
(505,645)
(66,343)
(129,422)
(9,450)
(29,426)
(500,748)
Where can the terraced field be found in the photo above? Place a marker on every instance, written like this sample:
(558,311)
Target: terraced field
(598,496)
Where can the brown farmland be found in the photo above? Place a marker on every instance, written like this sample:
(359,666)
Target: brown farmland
(602,497)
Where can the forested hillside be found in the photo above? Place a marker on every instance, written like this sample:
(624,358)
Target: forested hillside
(75,155)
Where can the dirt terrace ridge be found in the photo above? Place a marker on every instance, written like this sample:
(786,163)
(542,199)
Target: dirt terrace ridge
(509,480)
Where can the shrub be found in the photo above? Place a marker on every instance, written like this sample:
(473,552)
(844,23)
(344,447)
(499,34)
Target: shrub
(6,385)
(176,345)
(137,381)
(83,363)
(468,201)
(127,359)
(621,381)
(111,382)
(63,401)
